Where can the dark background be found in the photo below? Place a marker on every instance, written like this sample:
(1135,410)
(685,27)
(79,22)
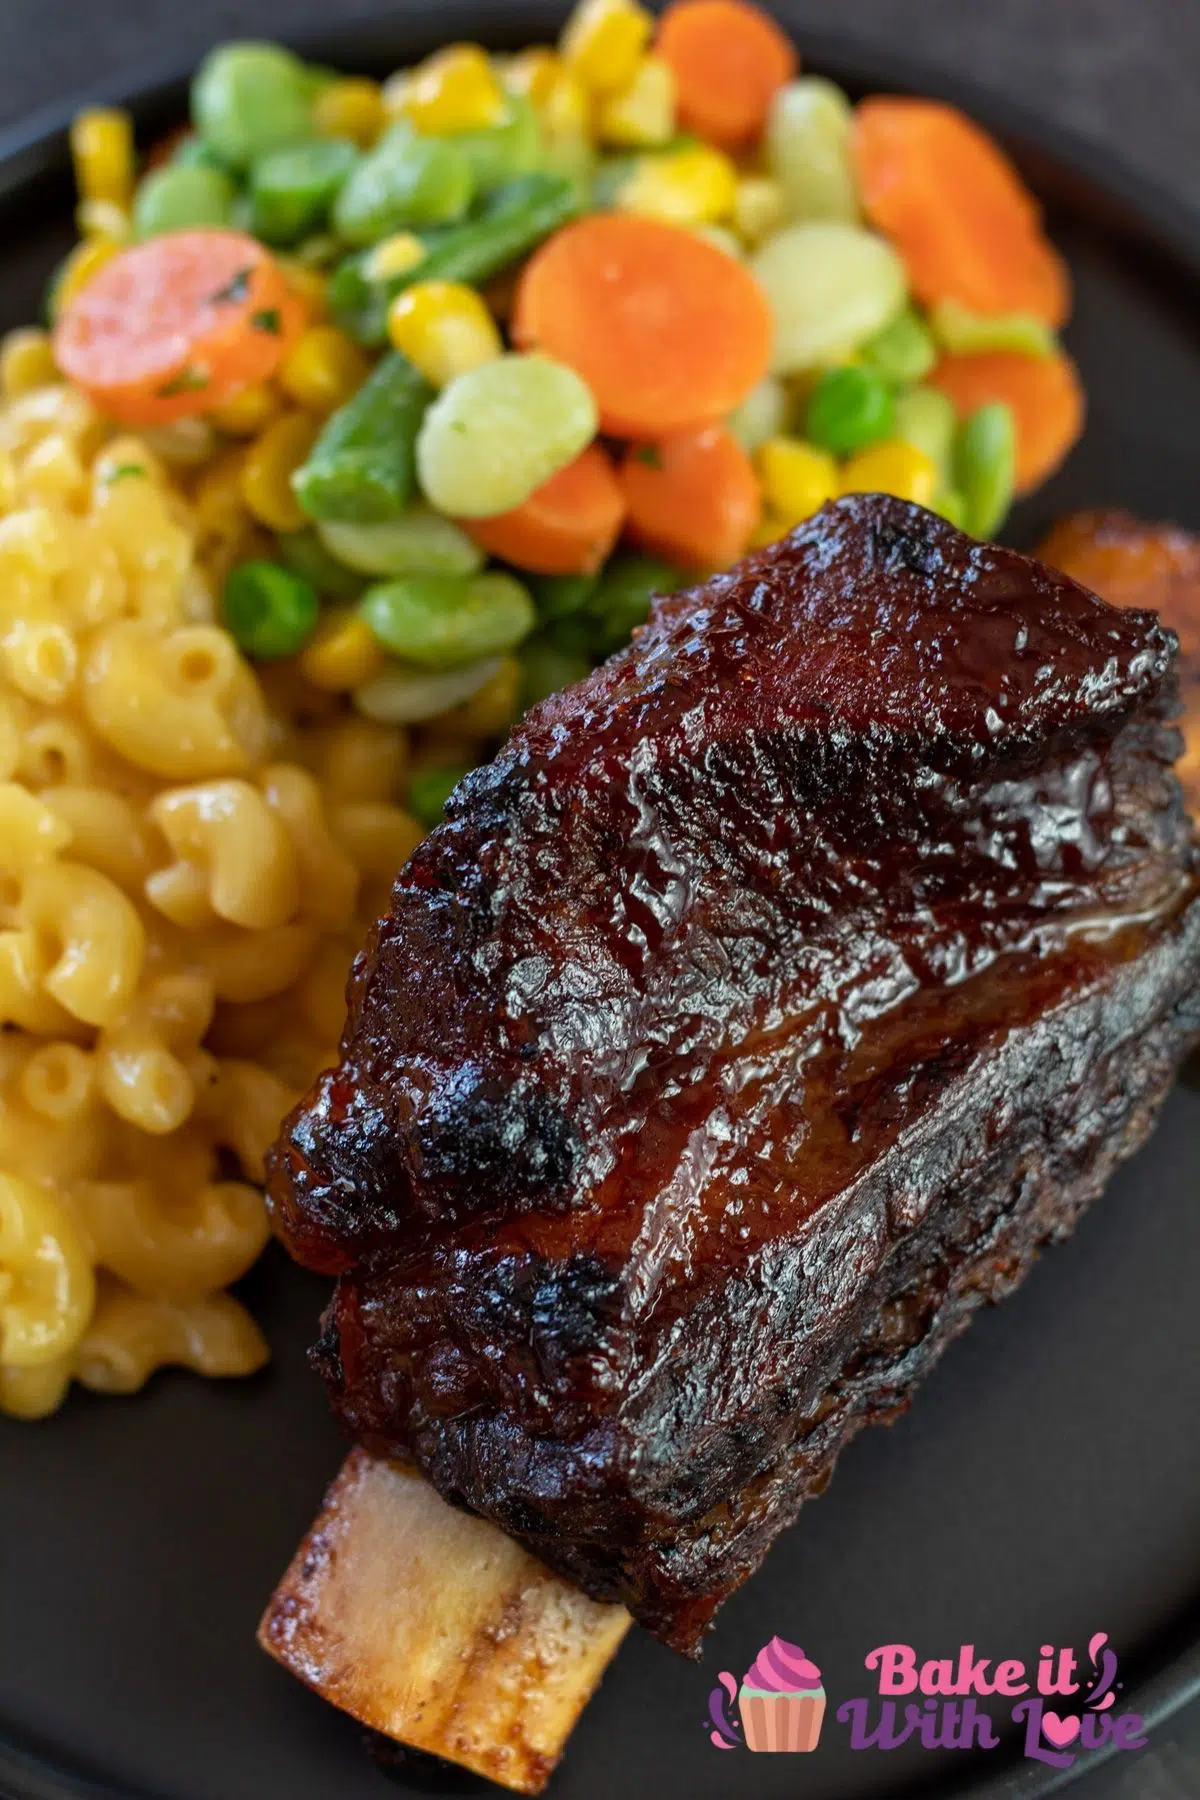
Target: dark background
(1123,73)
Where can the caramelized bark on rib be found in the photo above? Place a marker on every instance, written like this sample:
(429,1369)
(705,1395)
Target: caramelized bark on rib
(674,1132)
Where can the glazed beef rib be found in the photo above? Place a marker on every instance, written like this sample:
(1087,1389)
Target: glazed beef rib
(757,1014)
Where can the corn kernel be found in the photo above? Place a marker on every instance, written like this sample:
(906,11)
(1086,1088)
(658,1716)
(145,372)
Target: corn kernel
(603,41)
(270,463)
(759,208)
(566,111)
(351,108)
(797,478)
(217,504)
(642,114)
(26,362)
(395,255)
(342,653)
(456,90)
(694,186)
(103,219)
(323,368)
(308,284)
(532,73)
(249,412)
(102,151)
(892,468)
(444,329)
(85,260)
(770,528)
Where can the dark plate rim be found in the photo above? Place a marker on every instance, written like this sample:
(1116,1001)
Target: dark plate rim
(34,159)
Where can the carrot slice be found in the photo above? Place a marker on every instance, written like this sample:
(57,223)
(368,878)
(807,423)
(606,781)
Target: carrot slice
(567,527)
(693,498)
(668,331)
(1046,396)
(177,325)
(730,60)
(955,207)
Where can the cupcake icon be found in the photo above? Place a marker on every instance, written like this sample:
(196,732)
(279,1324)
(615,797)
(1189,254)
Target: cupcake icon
(782,1701)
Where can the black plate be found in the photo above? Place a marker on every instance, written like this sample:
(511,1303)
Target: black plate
(1047,1483)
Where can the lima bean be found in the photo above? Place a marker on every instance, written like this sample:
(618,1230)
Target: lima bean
(830,287)
(406,697)
(248,98)
(499,431)
(420,541)
(808,150)
(407,182)
(447,621)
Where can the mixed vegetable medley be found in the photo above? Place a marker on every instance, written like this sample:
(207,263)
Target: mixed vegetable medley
(459,369)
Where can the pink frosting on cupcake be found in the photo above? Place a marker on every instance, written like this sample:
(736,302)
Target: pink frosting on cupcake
(781,1668)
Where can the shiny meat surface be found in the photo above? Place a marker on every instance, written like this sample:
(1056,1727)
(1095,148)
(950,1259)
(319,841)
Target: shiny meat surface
(754,1016)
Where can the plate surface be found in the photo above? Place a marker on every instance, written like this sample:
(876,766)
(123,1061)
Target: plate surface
(1045,1486)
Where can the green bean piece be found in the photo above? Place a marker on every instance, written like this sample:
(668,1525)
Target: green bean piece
(362,468)
(952,505)
(985,459)
(499,153)
(903,352)
(515,220)
(407,182)
(292,190)
(430,788)
(267,610)
(622,598)
(445,621)
(850,409)
(307,556)
(179,198)
(250,98)
(964,333)
(561,596)
(546,669)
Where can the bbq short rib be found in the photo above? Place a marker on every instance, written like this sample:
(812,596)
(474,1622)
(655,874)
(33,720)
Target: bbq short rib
(757,1015)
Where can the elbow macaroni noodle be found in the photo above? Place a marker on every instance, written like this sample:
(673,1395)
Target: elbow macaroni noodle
(190,851)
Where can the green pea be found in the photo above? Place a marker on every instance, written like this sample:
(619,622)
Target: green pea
(250,98)
(925,418)
(621,602)
(429,789)
(444,621)
(292,190)
(561,596)
(267,610)
(964,333)
(306,556)
(546,670)
(178,198)
(985,460)
(903,352)
(407,182)
(498,153)
(850,409)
